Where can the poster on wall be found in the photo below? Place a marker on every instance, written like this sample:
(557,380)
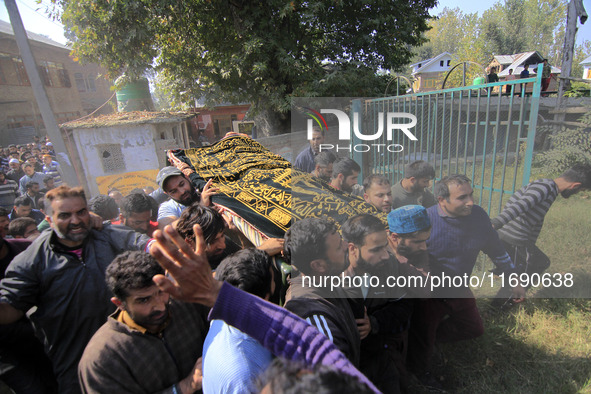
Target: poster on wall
(127,181)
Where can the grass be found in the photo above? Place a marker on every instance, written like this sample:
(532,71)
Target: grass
(543,345)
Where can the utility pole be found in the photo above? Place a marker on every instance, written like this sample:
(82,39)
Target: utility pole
(575,11)
(51,125)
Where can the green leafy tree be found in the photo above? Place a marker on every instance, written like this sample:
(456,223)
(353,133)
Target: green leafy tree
(241,51)
(570,146)
(508,27)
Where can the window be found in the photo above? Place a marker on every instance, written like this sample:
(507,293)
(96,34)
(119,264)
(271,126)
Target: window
(21,73)
(448,62)
(90,85)
(80,83)
(43,68)
(441,63)
(111,157)
(64,77)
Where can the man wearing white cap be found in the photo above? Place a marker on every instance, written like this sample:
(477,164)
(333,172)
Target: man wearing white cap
(16,172)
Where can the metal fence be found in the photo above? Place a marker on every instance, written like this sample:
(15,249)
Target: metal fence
(470,130)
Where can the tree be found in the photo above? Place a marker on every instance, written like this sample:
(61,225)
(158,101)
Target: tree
(260,52)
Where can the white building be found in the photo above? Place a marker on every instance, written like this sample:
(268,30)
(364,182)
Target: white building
(124,150)
(586,68)
(428,74)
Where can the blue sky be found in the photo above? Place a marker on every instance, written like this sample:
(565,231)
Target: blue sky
(36,21)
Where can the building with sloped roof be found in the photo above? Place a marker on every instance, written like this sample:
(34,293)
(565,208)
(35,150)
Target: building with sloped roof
(586,68)
(515,62)
(428,74)
(74,90)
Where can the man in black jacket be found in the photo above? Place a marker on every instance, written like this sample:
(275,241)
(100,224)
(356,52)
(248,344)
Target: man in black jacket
(316,249)
(385,310)
(62,274)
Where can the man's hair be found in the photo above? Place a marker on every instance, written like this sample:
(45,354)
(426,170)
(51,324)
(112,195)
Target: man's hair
(579,173)
(323,159)
(419,169)
(61,192)
(18,226)
(292,377)
(47,179)
(104,206)
(135,203)
(210,220)
(442,186)
(305,241)
(29,185)
(356,228)
(248,270)
(137,190)
(318,129)
(22,200)
(41,204)
(4,212)
(346,167)
(131,270)
(155,206)
(375,179)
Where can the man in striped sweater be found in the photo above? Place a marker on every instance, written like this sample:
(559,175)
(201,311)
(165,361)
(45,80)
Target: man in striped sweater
(520,222)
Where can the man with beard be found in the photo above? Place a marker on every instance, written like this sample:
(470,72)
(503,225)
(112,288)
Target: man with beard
(409,229)
(152,343)
(305,159)
(136,213)
(382,311)
(323,165)
(62,275)
(16,172)
(181,192)
(520,222)
(377,192)
(412,189)
(316,250)
(344,175)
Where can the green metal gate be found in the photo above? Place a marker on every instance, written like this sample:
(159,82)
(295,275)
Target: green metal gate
(486,135)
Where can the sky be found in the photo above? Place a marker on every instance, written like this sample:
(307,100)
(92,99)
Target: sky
(35,19)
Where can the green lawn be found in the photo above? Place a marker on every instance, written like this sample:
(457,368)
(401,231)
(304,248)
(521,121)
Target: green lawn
(543,345)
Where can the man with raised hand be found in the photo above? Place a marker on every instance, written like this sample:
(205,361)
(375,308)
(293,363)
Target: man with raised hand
(283,333)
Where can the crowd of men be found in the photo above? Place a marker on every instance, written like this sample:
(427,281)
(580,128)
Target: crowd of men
(116,293)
